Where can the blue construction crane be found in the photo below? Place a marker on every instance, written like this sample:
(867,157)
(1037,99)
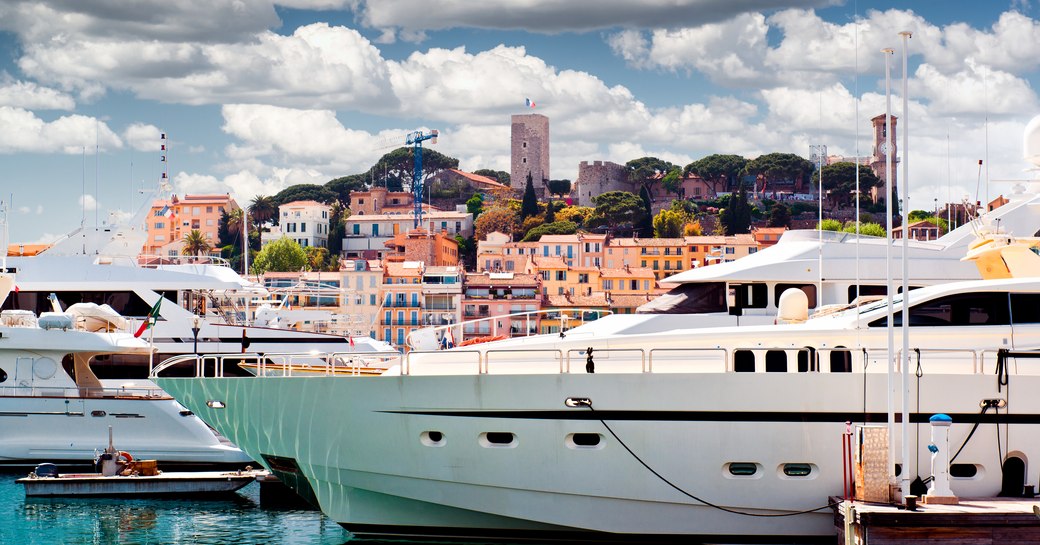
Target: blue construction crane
(415,140)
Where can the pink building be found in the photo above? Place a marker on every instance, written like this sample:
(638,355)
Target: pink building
(170,220)
(492,296)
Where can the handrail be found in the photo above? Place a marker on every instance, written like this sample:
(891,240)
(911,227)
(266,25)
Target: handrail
(557,351)
(406,367)
(528,314)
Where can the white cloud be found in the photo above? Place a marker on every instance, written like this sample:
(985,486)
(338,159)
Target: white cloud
(24,132)
(975,88)
(24,209)
(415,16)
(29,95)
(87,202)
(142,137)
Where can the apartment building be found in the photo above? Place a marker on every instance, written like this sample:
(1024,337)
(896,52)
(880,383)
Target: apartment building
(170,220)
(306,222)
(402,298)
(441,295)
(367,234)
(491,297)
(498,252)
(663,256)
(433,249)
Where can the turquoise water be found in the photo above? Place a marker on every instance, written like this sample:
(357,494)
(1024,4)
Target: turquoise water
(239,519)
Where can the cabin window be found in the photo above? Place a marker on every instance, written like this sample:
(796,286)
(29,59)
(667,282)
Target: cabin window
(432,438)
(584,441)
(126,303)
(962,309)
(750,295)
(963,471)
(841,360)
(744,361)
(742,469)
(497,439)
(1025,308)
(809,289)
(807,359)
(866,291)
(776,361)
(797,470)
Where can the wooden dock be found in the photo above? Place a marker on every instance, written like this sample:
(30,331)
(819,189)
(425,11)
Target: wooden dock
(988,521)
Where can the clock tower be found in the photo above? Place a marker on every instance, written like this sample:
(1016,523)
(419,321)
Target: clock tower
(878,155)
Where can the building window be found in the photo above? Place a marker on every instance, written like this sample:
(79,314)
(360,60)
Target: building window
(209,209)
(732,250)
(160,238)
(303,227)
(357,229)
(159,225)
(561,275)
(195,210)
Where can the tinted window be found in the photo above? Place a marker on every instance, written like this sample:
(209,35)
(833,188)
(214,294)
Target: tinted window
(809,289)
(1025,308)
(776,361)
(865,291)
(956,310)
(807,359)
(841,360)
(744,361)
(126,303)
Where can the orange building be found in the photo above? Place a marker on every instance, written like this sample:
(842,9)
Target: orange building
(171,220)
(402,297)
(436,249)
(664,256)
(767,236)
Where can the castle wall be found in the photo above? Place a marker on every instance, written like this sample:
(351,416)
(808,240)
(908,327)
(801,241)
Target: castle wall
(597,178)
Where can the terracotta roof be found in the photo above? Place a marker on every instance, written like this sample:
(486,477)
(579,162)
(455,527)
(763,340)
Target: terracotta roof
(300,204)
(629,301)
(559,238)
(406,214)
(501,279)
(770,229)
(400,269)
(204,198)
(550,262)
(478,178)
(596,299)
(743,238)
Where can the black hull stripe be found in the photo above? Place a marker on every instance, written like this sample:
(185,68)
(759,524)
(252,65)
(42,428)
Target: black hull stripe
(484,535)
(727,416)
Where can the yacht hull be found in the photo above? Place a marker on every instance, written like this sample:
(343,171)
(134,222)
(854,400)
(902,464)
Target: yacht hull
(362,446)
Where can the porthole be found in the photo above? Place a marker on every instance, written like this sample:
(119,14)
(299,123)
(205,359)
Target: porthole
(584,441)
(98,414)
(964,471)
(742,469)
(744,361)
(3,375)
(498,439)
(797,470)
(432,438)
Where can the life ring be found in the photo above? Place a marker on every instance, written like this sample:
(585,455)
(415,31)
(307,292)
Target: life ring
(125,456)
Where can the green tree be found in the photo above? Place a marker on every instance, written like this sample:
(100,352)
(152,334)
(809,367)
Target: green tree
(304,192)
(868,228)
(719,171)
(736,217)
(317,258)
(550,211)
(501,176)
(337,230)
(555,228)
(343,186)
(282,255)
(672,182)
(263,209)
(617,209)
(780,216)
(475,205)
(839,179)
(529,205)
(647,171)
(777,167)
(668,224)
(646,223)
(559,187)
(497,218)
(397,166)
(195,243)
(467,252)
(579,215)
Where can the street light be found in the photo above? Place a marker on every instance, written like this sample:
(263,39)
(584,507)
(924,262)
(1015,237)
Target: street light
(195,334)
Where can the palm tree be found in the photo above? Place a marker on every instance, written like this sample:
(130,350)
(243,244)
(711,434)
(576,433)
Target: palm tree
(195,243)
(262,209)
(234,223)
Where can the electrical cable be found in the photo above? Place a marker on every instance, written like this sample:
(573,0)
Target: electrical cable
(588,403)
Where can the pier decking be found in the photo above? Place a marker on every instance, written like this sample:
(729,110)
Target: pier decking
(1004,521)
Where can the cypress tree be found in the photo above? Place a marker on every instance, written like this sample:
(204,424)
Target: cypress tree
(529,205)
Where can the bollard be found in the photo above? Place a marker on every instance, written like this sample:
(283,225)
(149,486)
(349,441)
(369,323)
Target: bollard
(939,491)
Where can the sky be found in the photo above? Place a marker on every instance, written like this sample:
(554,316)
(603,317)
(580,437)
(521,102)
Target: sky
(257,95)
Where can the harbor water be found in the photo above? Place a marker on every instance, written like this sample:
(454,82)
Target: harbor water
(237,519)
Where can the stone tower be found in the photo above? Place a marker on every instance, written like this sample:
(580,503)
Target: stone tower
(530,152)
(877,157)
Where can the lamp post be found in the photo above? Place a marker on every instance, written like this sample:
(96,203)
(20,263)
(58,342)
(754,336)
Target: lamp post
(890,382)
(905,354)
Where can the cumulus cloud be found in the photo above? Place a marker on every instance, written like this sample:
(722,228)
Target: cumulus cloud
(87,202)
(142,136)
(25,132)
(414,17)
(29,95)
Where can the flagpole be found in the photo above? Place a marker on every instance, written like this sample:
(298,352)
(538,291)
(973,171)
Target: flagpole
(151,345)
(888,268)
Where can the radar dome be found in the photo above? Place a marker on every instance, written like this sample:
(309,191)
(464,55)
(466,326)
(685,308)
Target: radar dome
(1031,141)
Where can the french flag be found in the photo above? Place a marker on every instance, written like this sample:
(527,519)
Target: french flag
(530,103)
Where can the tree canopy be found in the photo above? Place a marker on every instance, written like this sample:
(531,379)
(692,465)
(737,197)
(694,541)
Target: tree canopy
(668,224)
(529,204)
(282,255)
(397,166)
(500,175)
(719,171)
(559,187)
(263,209)
(475,205)
(195,243)
(779,216)
(736,217)
(554,228)
(344,185)
(777,167)
(497,218)
(615,209)
(304,192)
(840,180)
(647,171)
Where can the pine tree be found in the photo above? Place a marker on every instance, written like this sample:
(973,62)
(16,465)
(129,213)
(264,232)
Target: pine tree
(529,205)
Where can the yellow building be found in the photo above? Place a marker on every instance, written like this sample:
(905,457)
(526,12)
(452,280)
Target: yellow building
(663,256)
(402,298)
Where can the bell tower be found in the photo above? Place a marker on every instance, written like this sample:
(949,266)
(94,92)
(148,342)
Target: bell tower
(878,155)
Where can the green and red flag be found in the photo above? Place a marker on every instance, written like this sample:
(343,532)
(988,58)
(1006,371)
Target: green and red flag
(150,319)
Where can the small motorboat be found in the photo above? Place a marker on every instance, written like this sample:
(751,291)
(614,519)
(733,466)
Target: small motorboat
(120,475)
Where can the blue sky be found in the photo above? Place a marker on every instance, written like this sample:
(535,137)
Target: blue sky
(258,95)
